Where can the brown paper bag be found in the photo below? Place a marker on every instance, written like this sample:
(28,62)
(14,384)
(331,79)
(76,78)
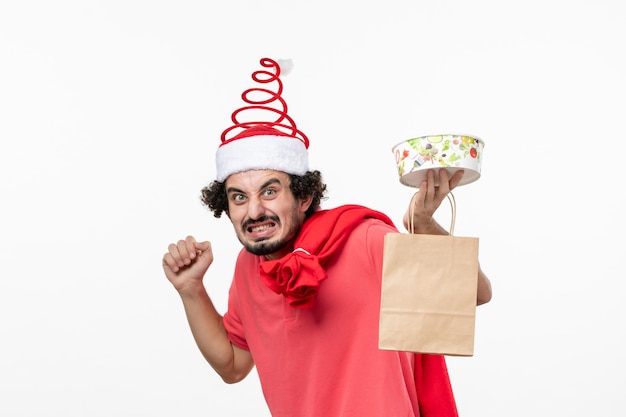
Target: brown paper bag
(428,300)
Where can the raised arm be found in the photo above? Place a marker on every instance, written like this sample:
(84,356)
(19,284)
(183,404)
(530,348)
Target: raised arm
(427,201)
(184,265)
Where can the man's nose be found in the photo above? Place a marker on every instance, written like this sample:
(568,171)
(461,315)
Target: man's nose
(255,208)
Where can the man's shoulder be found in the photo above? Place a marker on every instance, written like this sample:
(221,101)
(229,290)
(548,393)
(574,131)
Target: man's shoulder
(374,227)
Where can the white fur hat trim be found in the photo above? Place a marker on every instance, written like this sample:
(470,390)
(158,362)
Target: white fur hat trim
(278,153)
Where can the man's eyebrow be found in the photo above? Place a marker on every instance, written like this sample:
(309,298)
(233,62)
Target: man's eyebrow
(264,185)
(270,182)
(234,190)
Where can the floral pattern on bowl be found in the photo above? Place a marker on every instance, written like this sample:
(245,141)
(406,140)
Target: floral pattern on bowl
(414,157)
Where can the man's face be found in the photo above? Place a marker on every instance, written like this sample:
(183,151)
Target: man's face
(264,212)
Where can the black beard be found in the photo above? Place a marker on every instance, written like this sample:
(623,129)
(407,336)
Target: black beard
(264,248)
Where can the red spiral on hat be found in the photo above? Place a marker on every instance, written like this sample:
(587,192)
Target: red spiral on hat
(283,122)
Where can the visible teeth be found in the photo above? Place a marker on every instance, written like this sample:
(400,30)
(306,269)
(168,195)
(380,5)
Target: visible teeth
(260,228)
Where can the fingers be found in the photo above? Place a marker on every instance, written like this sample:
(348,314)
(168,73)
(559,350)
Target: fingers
(447,183)
(439,189)
(454,181)
(428,199)
(187,249)
(429,192)
(183,252)
(432,188)
(170,262)
(432,192)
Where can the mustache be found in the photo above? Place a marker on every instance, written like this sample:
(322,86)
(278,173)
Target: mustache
(261,219)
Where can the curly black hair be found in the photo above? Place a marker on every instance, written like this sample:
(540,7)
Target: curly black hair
(214,196)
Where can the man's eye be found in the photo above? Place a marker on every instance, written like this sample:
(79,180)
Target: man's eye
(238,197)
(269,192)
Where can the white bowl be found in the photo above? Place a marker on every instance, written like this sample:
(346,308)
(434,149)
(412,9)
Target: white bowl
(416,156)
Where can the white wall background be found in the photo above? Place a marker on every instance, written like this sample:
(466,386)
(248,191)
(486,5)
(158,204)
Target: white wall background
(110,113)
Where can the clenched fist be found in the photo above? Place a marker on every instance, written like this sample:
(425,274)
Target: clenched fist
(186,262)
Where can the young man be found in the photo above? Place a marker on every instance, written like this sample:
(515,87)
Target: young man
(304,302)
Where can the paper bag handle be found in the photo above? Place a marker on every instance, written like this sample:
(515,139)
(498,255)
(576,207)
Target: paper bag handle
(452,201)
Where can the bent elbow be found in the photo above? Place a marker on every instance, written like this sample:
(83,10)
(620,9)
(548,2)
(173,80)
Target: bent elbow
(484,296)
(235,375)
(484,291)
(233,379)
(483,299)
(237,368)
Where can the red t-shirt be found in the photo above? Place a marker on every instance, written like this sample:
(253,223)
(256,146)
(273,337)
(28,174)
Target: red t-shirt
(324,361)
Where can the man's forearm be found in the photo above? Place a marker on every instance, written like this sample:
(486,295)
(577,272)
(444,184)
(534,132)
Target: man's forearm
(208,330)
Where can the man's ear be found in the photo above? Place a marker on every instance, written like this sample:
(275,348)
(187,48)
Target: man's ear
(305,203)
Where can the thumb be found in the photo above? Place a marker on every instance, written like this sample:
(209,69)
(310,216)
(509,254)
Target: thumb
(202,246)
(203,250)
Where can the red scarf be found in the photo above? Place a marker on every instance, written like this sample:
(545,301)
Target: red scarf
(432,384)
(298,274)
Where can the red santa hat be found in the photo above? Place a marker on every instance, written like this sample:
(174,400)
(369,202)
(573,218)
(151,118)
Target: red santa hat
(275,144)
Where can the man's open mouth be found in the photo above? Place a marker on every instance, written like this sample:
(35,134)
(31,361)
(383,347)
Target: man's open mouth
(260,228)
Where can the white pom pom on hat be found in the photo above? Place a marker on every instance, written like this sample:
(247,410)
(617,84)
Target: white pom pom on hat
(276,145)
(285,65)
